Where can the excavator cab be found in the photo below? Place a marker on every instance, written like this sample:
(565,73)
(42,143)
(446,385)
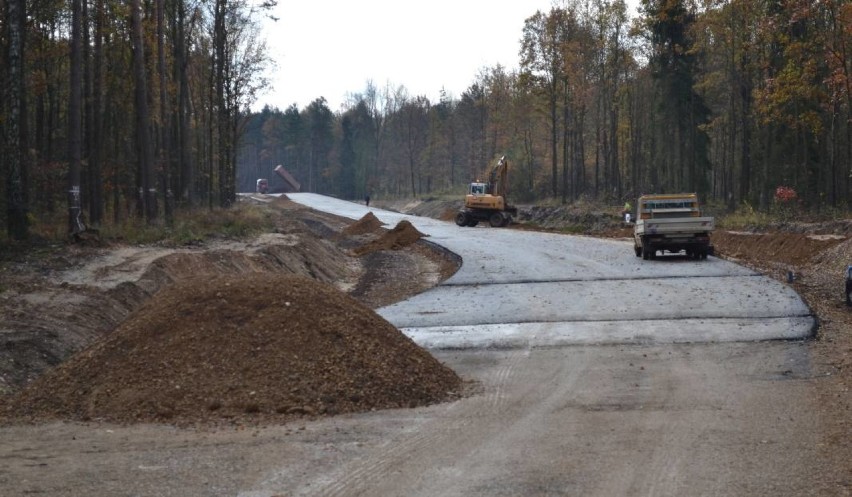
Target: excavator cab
(478,188)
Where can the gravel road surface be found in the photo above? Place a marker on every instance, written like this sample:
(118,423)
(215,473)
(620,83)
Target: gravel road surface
(592,373)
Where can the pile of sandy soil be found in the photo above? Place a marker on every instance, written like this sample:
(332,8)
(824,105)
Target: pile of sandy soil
(402,235)
(366,225)
(265,348)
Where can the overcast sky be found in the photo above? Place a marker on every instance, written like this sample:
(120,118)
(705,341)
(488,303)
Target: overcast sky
(333,47)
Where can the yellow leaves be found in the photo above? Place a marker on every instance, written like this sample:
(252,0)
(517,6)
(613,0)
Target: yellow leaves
(795,95)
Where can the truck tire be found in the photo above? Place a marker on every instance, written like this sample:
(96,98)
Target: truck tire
(496,220)
(472,222)
(638,250)
(462,219)
(647,249)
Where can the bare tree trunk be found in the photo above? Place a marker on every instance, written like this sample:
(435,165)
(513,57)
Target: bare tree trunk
(96,202)
(164,160)
(183,108)
(553,143)
(75,121)
(223,117)
(143,121)
(17,224)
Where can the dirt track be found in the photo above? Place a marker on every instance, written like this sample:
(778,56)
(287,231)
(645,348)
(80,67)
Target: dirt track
(734,419)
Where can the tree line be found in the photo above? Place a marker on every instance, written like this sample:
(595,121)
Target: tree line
(731,99)
(138,109)
(123,109)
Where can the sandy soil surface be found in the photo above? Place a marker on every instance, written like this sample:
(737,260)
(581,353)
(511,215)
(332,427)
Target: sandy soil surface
(769,418)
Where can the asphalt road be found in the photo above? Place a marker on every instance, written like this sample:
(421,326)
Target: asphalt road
(528,289)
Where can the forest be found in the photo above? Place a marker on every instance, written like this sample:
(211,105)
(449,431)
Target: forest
(112,111)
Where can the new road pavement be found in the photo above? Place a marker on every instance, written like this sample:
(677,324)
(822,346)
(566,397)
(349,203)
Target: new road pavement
(528,289)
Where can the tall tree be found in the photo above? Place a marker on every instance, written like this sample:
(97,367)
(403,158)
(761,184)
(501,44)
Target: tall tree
(320,139)
(541,62)
(96,201)
(17,223)
(75,123)
(148,191)
(347,159)
(681,108)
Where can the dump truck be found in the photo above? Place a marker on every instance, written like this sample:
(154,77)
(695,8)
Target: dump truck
(671,223)
(488,201)
(290,183)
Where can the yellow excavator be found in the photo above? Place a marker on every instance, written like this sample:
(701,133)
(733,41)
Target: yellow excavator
(488,201)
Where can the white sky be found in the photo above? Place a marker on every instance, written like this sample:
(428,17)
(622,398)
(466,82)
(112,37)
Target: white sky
(331,48)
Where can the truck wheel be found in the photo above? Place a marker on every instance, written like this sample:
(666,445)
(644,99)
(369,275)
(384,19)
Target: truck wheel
(637,250)
(645,254)
(496,220)
(507,221)
(462,219)
(472,222)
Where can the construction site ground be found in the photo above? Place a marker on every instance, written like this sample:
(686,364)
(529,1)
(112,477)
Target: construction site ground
(345,413)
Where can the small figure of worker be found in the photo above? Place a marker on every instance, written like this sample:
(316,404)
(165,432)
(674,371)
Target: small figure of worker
(625,213)
(367,199)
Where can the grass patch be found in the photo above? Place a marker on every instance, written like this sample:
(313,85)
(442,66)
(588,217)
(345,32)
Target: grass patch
(745,217)
(574,229)
(240,221)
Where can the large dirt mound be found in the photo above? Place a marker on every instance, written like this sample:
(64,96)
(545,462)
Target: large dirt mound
(402,235)
(245,350)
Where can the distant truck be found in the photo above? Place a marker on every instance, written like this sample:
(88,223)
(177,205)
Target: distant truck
(671,223)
